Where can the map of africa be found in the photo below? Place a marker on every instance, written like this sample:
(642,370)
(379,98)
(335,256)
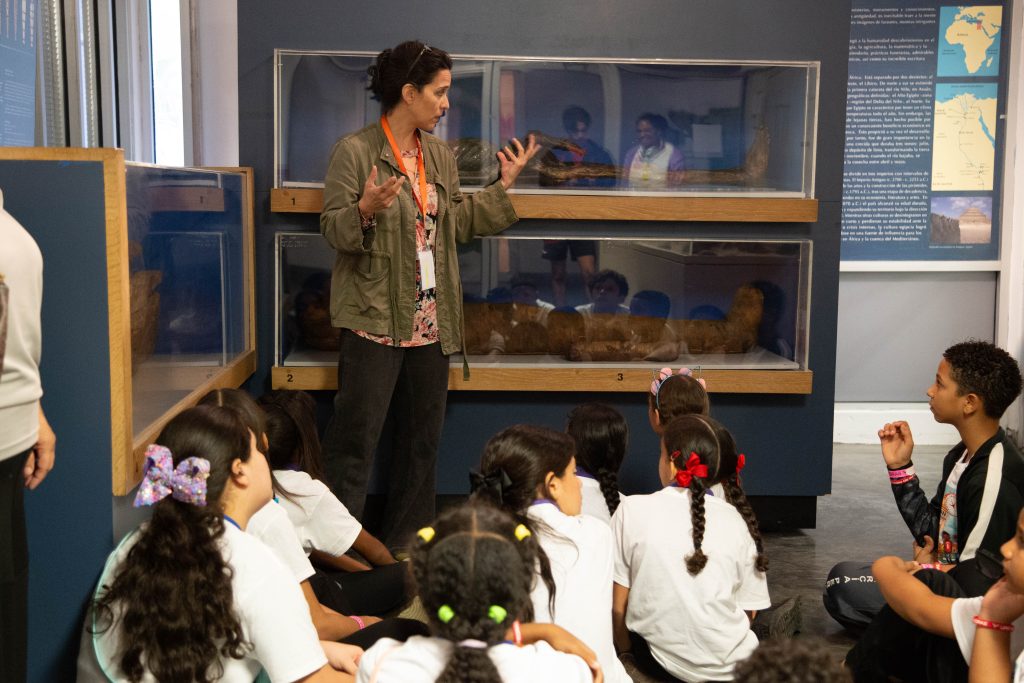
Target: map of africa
(963,147)
(969,40)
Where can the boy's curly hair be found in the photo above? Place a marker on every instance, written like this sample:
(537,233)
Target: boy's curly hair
(986,370)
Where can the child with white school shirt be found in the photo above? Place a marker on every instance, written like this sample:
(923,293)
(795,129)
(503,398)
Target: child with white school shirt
(689,567)
(531,472)
(473,570)
(332,618)
(193,562)
(324,525)
(601,434)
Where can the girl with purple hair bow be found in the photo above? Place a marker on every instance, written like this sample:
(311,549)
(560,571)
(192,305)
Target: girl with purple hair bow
(188,595)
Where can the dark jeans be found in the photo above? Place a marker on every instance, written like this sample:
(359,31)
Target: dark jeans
(892,646)
(413,384)
(376,592)
(13,571)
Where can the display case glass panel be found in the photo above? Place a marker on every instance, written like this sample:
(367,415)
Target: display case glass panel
(187,276)
(716,304)
(664,127)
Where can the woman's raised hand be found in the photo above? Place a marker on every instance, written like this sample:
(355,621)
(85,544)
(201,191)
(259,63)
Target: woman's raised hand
(379,197)
(513,160)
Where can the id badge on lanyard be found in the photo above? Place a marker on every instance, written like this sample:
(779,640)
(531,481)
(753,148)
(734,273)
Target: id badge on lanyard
(424,257)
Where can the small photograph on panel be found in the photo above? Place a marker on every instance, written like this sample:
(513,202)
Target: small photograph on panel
(961,220)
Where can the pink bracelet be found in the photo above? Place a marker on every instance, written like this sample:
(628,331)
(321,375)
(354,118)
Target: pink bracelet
(902,476)
(517,633)
(928,565)
(994,625)
(359,622)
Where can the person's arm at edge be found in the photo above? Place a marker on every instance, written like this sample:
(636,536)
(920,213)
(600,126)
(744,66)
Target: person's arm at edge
(912,599)
(375,552)
(990,657)
(342,563)
(329,624)
(41,458)
(326,674)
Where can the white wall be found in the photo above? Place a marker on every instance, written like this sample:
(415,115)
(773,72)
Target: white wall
(215,83)
(858,416)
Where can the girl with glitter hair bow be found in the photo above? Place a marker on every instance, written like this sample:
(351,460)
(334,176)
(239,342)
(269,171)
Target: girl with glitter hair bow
(188,595)
(674,394)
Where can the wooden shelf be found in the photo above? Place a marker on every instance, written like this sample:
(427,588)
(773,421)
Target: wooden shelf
(620,208)
(325,377)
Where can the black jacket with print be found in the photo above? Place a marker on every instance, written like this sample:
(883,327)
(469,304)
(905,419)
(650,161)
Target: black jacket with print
(981,522)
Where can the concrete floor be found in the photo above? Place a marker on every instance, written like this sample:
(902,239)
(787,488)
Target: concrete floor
(858,521)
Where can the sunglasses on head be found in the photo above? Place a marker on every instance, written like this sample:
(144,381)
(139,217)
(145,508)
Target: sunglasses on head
(426,48)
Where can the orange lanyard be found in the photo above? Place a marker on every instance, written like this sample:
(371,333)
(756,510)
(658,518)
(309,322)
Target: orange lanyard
(422,198)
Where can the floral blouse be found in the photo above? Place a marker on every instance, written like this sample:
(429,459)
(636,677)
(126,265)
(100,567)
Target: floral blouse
(424,320)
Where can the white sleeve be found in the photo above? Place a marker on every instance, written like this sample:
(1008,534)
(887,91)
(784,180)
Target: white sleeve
(563,667)
(331,527)
(272,526)
(370,660)
(962,614)
(279,627)
(752,593)
(621,572)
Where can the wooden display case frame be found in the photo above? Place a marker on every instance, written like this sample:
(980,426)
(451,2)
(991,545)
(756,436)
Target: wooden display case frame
(128,448)
(611,207)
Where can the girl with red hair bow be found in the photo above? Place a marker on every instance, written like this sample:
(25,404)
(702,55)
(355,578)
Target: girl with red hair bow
(689,564)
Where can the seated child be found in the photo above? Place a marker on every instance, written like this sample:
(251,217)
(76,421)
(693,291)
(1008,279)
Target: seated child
(473,571)
(689,567)
(324,525)
(271,525)
(192,563)
(928,629)
(791,660)
(673,395)
(600,433)
(982,486)
(531,472)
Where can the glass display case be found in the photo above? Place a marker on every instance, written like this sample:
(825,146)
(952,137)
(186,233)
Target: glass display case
(660,127)
(187,244)
(149,280)
(720,305)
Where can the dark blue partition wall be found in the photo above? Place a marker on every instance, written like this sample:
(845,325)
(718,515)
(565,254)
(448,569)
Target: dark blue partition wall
(787,438)
(69,516)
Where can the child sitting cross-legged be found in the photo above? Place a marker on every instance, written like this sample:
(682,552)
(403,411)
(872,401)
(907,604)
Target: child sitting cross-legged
(689,566)
(531,472)
(189,596)
(324,525)
(473,571)
(601,434)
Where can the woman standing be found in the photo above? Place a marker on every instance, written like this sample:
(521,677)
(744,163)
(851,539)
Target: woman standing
(393,212)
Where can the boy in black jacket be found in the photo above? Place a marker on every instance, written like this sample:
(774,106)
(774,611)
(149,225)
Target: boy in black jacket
(974,509)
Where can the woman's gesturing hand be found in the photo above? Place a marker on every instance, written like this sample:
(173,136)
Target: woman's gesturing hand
(379,197)
(513,160)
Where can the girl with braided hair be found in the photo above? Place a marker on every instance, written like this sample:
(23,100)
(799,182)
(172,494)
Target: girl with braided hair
(536,471)
(601,434)
(689,565)
(473,570)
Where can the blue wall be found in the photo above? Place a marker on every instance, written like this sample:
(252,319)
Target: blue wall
(787,438)
(69,516)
